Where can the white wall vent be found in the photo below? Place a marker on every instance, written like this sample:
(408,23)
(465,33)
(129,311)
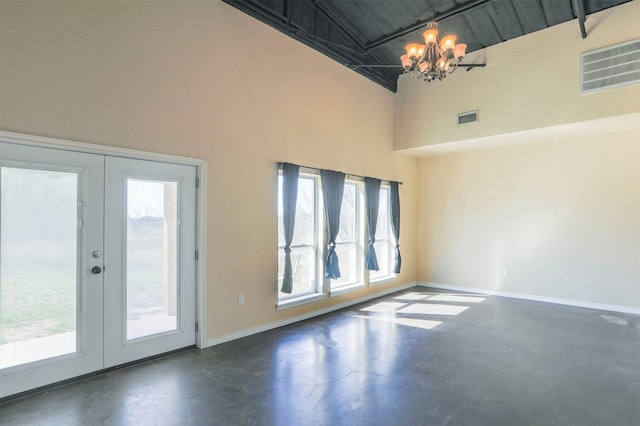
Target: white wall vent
(610,67)
(468,117)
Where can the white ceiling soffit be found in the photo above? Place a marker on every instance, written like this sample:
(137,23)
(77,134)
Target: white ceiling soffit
(560,132)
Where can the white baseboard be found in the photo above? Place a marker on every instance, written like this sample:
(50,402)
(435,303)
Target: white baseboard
(559,301)
(276,324)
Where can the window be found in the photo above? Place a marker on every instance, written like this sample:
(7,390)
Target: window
(309,244)
(385,243)
(304,247)
(349,239)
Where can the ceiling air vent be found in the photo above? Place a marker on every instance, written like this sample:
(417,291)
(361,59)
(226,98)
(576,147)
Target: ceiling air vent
(610,67)
(468,117)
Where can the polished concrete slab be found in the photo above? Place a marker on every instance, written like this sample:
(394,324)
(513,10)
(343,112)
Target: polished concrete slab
(419,357)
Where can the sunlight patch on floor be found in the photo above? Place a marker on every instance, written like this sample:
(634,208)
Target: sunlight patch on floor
(432,309)
(411,322)
(412,309)
(384,307)
(455,298)
(412,296)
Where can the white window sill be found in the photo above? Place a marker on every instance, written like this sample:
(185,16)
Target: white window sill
(383,280)
(301,300)
(346,289)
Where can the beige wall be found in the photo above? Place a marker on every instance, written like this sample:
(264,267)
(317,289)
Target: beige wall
(562,215)
(559,203)
(530,82)
(201,79)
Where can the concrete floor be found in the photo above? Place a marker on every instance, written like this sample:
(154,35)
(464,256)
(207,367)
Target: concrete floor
(419,357)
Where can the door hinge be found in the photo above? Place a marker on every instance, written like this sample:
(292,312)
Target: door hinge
(80,223)
(196,327)
(197,256)
(197,183)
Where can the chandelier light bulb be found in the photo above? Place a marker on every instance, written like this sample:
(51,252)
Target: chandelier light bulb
(430,36)
(412,50)
(448,42)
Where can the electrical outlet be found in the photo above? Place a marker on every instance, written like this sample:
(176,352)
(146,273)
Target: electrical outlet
(505,272)
(241,299)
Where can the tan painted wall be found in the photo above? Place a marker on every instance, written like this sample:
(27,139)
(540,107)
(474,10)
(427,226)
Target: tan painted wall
(562,215)
(561,212)
(530,82)
(201,79)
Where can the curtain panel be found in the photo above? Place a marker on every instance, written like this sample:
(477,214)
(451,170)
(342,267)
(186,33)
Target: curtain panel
(372,202)
(290,174)
(332,192)
(395,224)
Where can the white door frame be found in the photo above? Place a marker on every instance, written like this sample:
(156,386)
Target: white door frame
(201,205)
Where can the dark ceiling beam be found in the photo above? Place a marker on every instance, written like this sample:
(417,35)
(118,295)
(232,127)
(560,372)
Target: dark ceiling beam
(320,7)
(258,11)
(343,59)
(544,14)
(578,6)
(355,67)
(323,10)
(287,11)
(438,17)
(283,22)
(325,41)
(376,66)
(284,25)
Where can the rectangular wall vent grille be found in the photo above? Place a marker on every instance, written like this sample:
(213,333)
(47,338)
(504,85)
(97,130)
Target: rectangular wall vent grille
(468,117)
(610,67)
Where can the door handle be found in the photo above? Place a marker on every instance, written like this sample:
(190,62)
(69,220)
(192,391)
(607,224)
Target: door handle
(96,270)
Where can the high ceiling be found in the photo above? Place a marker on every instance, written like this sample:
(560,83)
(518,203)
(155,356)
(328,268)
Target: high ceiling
(369,36)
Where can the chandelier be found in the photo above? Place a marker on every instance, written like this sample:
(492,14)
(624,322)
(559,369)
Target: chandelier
(434,59)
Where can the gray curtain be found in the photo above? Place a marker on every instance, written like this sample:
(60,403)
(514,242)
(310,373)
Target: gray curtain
(395,224)
(372,200)
(332,191)
(289,200)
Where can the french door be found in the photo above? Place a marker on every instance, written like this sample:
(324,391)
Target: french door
(97,263)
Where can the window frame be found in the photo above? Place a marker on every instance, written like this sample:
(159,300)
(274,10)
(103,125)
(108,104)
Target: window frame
(391,241)
(317,292)
(357,242)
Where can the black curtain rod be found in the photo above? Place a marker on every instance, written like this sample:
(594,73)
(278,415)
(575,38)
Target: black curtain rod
(347,174)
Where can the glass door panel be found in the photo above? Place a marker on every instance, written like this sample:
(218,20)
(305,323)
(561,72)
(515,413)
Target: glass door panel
(51,286)
(152,257)
(149,258)
(38,264)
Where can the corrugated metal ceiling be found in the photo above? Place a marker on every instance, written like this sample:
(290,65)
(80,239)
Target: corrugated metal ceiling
(369,35)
